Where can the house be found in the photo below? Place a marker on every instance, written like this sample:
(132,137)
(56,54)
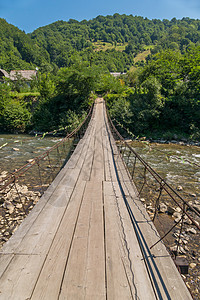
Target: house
(23,74)
(14,75)
(116,74)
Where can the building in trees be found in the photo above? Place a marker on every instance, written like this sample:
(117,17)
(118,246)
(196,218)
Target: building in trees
(3,74)
(26,75)
(14,75)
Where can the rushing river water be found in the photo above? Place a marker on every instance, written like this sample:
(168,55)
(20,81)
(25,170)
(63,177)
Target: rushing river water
(178,164)
(18,149)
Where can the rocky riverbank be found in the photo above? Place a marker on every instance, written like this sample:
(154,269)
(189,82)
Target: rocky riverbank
(16,202)
(181,142)
(188,241)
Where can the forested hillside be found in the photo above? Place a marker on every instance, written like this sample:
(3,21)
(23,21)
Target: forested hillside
(17,49)
(60,43)
(159,95)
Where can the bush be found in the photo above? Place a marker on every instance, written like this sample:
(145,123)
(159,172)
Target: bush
(15,117)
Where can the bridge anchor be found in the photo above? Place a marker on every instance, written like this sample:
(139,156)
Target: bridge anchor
(182,264)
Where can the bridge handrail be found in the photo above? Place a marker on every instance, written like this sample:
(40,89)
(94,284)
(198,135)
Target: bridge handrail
(12,177)
(162,182)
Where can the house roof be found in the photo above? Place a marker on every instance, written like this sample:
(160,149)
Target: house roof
(116,74)
(4,73)
(25,74)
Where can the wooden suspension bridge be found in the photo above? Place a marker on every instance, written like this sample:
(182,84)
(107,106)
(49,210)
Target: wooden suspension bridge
(89,236)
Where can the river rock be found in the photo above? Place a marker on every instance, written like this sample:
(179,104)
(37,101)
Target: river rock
(184,242)
(162,208)
(180,249)
(177,220)
(193,265)
(188,285)
(179,188)
(19,205)
(197,207)
(6,233)
(8,205)
(193,195)
(30,160)
(3,174)
(191,230)
(178,209)
(187,220)
(170,210)
(196,222)
(150,208)
(23,189)
(15,149)
(177,215)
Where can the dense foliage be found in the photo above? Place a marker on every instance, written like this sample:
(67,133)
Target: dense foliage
(60,43)
(158,97)
(165,98)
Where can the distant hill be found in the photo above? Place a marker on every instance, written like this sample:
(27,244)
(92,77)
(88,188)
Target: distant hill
(111,41)
(17,49)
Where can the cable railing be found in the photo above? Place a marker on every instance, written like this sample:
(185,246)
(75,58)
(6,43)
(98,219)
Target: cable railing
(21,190)
(155,192)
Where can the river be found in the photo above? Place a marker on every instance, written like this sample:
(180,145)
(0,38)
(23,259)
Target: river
(18,149)
(178,164)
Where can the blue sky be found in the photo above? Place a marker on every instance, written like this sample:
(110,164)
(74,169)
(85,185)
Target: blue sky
(28,15)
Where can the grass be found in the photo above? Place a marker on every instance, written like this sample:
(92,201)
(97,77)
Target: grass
(25,94)
(103,46)
(142,56)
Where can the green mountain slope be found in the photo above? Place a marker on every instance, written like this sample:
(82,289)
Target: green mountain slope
(112,41)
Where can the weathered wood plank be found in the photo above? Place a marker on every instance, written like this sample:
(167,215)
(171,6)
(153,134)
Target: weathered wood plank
(97,173)
(133,261)
(49,281)
(36,240)
(88,161)
(18,280)
(5,260)
(85,271)
(117,282)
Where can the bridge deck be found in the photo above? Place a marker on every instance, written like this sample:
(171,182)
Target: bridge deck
(89,236)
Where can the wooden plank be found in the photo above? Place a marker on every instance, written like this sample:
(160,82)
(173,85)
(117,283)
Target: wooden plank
(139,281)
(79,150)
(49,281)
(87,165)
(122,169)
(117,282)
(108,165)
(39,237)
(95,279)
(85,272)
(18,280)
(73,162)
(97,173)
(5,260)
